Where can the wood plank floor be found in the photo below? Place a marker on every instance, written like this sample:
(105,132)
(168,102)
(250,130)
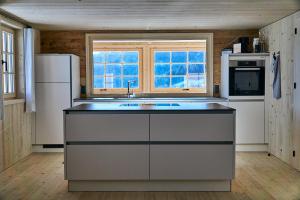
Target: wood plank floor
(40,176)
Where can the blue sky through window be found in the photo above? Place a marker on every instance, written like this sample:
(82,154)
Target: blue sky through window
(179,69)
(113,69)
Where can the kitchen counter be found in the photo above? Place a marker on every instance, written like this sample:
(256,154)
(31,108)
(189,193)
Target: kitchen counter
(160,99)
(151,108)
(149,147)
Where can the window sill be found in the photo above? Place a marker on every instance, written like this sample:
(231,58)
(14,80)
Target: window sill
(13,101)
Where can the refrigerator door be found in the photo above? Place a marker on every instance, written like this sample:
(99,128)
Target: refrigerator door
(52,98)
(53,68)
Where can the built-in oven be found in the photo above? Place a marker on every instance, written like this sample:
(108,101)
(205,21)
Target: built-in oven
(246,78)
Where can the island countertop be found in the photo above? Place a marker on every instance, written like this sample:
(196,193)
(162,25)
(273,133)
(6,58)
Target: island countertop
(151,108)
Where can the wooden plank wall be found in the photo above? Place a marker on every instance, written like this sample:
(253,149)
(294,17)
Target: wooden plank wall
(280,36)
(74,42)
(15,135)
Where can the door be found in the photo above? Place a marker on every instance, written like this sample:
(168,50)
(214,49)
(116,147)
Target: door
(51,99)
(296,104)
(52,68)
(250,121)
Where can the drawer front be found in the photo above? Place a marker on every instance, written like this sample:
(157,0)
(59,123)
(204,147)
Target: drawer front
(192,127)
(107,127)
(191,162)
(107,162)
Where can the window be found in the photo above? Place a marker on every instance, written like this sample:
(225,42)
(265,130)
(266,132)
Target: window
(176,70)
(114,69)
(149,66)
(8,62)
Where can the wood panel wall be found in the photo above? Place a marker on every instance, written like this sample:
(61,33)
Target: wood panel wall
(74,42)
(280,37)
(15,134)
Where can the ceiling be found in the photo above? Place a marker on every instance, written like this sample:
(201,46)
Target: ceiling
(149,14)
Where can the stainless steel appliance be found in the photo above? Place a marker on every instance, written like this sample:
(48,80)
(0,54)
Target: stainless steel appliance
(246,78)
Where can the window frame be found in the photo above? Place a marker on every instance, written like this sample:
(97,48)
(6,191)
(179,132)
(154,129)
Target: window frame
(114,47)
(177,47)
(136,38)
(13,32)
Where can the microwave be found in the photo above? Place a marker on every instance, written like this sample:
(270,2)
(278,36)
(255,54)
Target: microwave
(246,78)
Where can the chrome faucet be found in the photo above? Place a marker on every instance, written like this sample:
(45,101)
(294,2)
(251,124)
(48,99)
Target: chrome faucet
(129,94)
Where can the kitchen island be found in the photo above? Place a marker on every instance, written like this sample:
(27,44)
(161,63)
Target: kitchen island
(149,147)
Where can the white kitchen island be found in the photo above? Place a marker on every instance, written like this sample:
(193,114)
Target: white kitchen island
(149,147)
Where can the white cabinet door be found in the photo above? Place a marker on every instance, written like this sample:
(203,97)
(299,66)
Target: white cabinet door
(52,68)
(191,162)
(51,99)
(192,127)
(250,122)
(107,162)
(107,127)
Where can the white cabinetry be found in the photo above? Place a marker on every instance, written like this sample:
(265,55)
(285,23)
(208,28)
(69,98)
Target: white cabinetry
(250,121)
(107,162)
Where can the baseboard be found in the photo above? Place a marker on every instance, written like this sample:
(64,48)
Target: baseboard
(251,147)
(118,186)
(40,148)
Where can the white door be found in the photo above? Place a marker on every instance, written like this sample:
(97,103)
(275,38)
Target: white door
(250,122)
(52,68)
(51,99)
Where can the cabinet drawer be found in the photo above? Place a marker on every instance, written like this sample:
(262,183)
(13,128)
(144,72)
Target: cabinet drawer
(107,162)
(192,127)
(107,127)
(191,162)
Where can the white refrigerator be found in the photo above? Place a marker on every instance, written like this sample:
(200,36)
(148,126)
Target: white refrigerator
(57,79)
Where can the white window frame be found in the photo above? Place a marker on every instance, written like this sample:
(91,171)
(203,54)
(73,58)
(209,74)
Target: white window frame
(105,37)
(12,31)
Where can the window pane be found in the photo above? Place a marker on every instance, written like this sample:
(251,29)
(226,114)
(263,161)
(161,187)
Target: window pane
(196,56)
(113,70)
(10,63)
(4,66)
(98,69)
(5,83)
(178,82)
(178,69)
(197,81)
(113,82)
(98,82)
(196,68)
(4,41)
(114,57)
(161,57)
(162,69)
(130,69)
(99,56)
(134,82)
(131,57)
(179,57)
(162,82)
(10,42)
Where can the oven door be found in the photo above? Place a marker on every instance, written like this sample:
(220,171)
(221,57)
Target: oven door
(246,81)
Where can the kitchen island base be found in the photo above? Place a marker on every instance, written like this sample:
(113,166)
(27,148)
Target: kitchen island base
(149,148)
(120,186)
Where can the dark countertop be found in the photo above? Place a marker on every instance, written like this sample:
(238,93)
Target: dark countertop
(152,108)
(151,99)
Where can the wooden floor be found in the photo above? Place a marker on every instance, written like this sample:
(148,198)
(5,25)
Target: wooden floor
(40,176)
